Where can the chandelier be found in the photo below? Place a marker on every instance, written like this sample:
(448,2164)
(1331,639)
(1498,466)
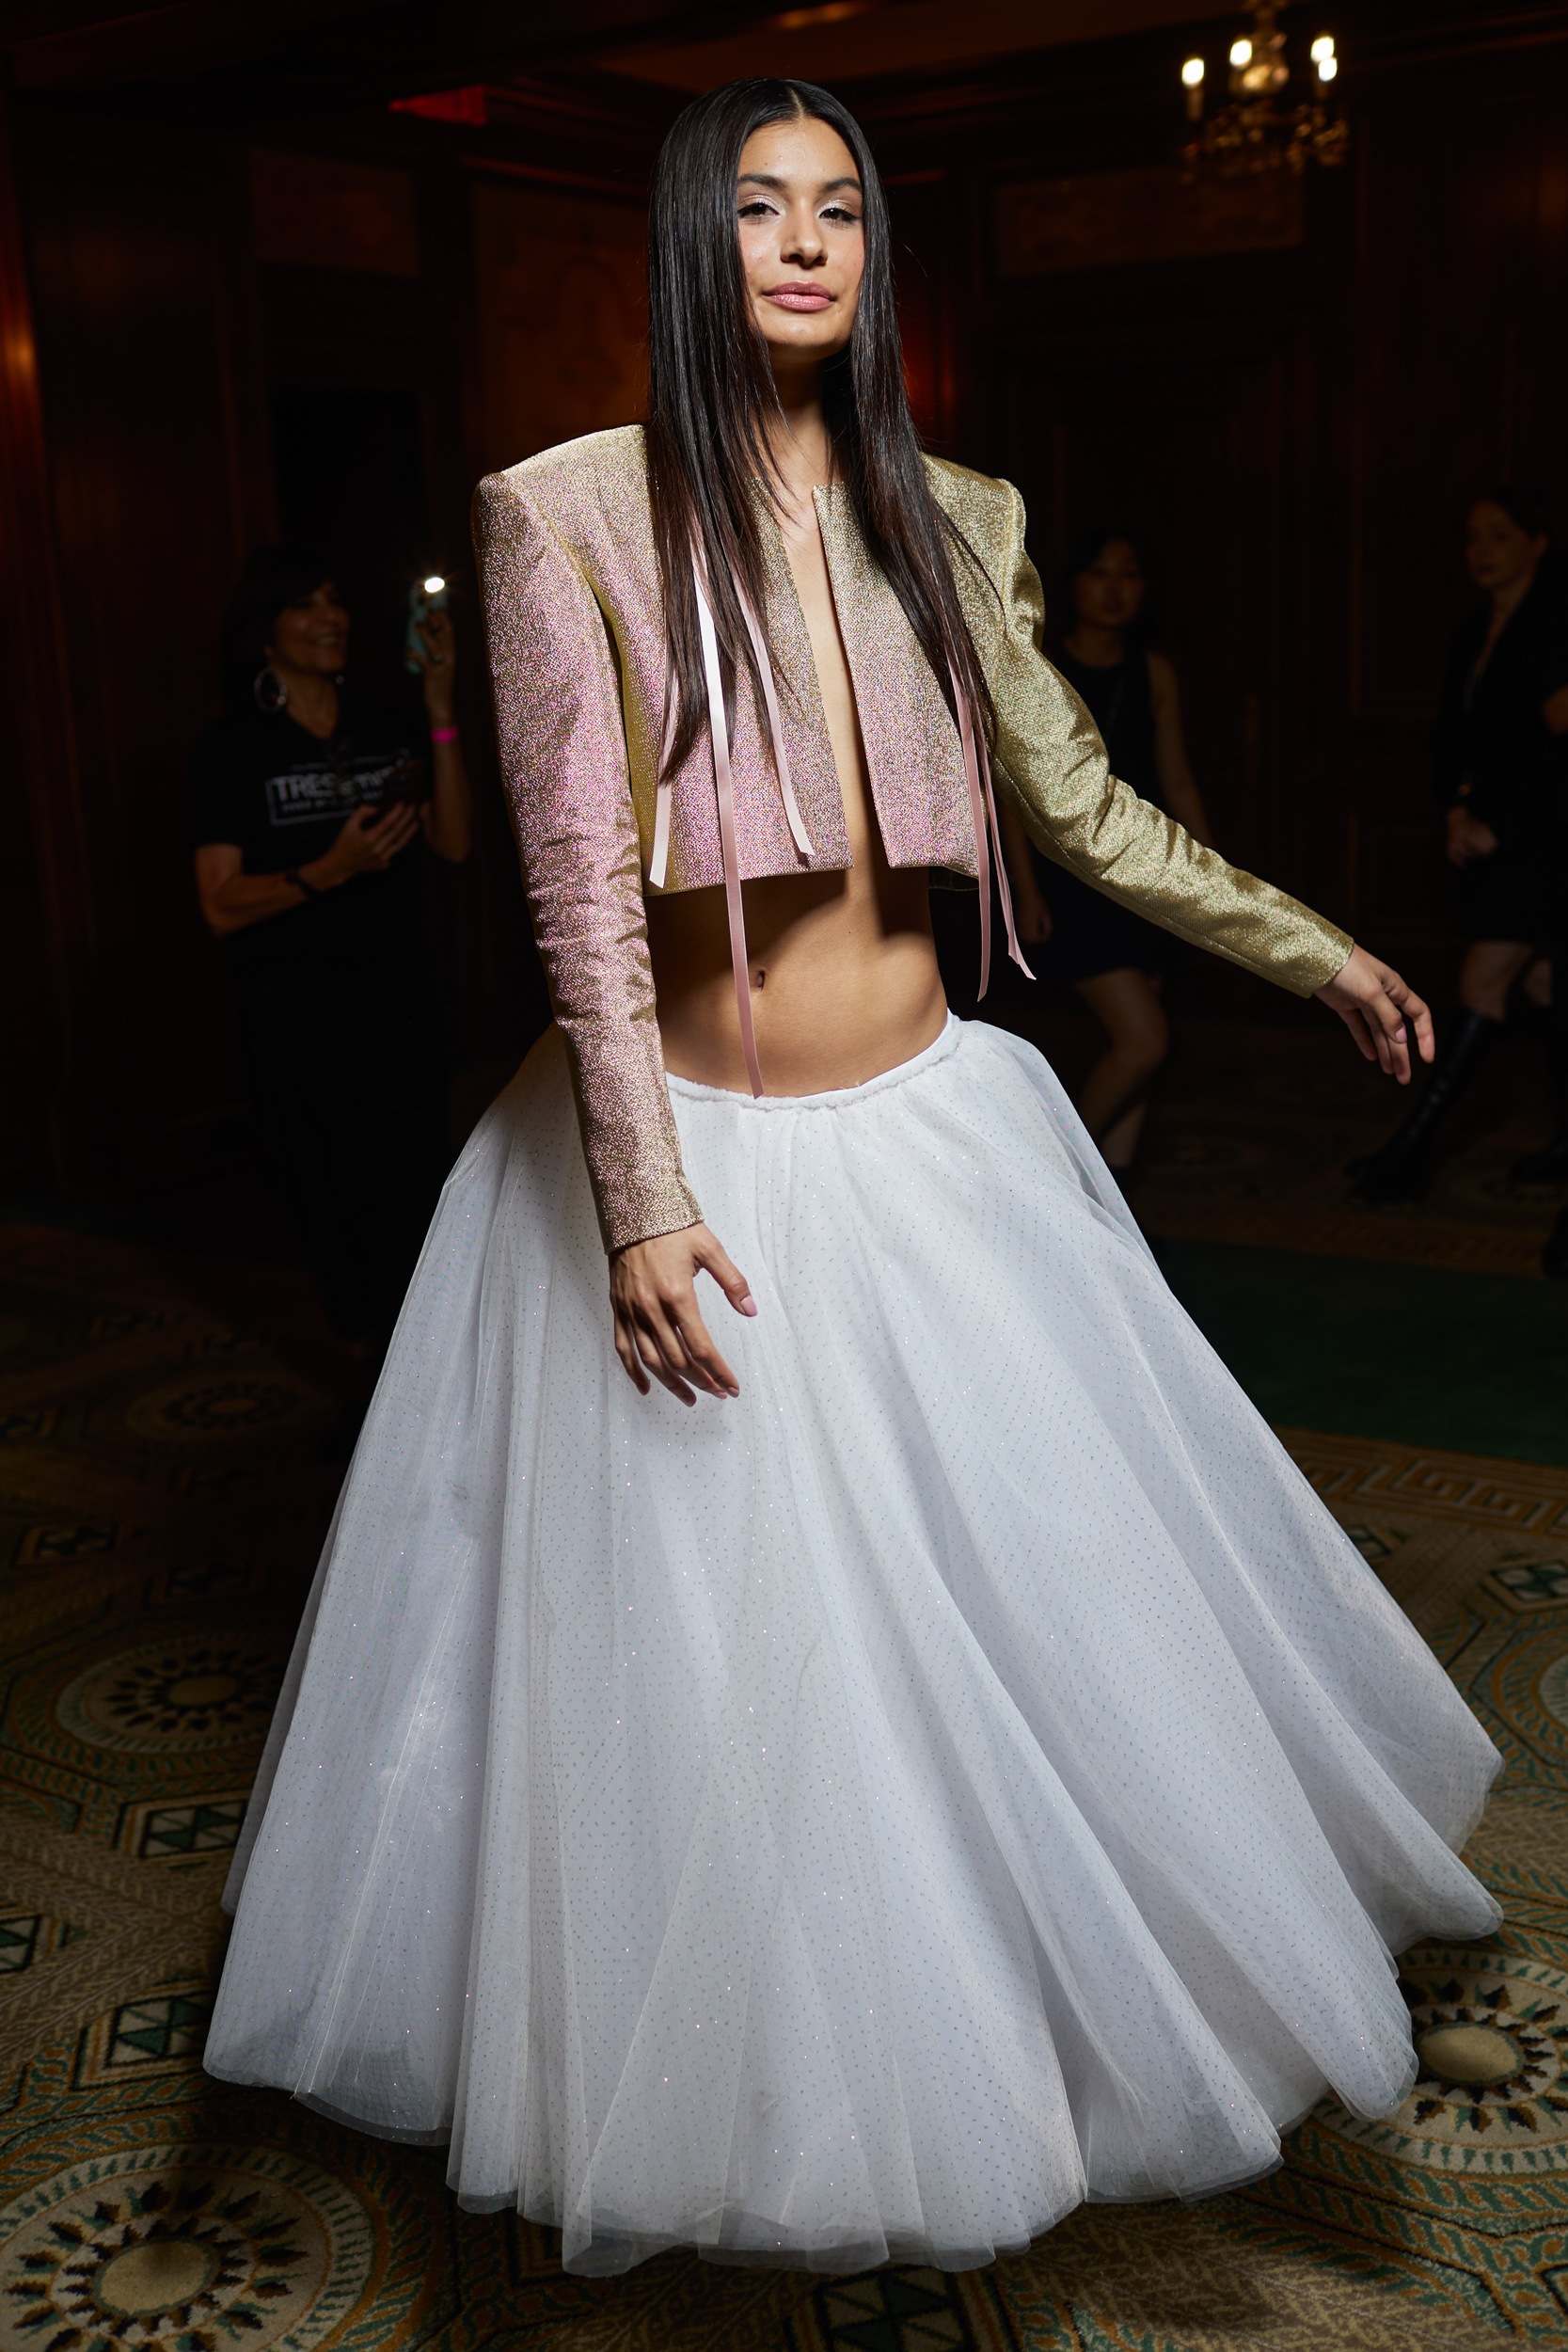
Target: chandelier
(1259,130)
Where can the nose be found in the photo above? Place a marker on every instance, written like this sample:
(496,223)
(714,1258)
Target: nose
(804,243)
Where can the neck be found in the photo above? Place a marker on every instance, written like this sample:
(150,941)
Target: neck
(1097,646)
(797,441)
(312,700)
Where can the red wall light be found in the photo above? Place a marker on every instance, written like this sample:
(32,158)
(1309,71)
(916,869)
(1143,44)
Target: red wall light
(446,105)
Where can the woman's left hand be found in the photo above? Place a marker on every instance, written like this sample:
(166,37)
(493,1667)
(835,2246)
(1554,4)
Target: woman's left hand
(437,663)
(1380,1012)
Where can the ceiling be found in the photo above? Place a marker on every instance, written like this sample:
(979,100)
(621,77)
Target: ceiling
(855,40)
(245,55)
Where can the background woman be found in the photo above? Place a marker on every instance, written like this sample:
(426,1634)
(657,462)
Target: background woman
(962,1767)
(1113,959)
(307,800)
(1498,774)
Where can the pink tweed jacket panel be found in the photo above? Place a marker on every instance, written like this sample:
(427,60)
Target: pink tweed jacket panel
(575,621)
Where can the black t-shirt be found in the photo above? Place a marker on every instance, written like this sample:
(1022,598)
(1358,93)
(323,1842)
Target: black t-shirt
(282,796)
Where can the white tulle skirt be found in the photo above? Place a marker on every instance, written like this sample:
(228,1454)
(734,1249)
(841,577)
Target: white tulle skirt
(969,1774)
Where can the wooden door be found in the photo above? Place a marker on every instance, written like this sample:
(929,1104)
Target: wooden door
(1183,441)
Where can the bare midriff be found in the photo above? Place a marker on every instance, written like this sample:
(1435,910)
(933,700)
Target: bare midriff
(842,966)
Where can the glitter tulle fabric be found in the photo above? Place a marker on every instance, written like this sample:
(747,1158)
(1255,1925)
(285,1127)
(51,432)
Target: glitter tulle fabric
(970,1772)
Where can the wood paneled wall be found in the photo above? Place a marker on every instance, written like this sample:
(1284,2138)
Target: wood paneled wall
(136,476)
(1296,433)
(145,495)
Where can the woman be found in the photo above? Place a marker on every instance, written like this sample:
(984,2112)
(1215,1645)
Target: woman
(1114,959)
(1498,774)
(305,802)
(808,1828)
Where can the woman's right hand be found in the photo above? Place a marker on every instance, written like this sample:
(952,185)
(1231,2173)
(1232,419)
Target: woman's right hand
(1468,839)
(368,843)
(658,1327)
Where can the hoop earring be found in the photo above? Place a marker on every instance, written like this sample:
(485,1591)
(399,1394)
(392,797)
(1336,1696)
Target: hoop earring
(272,695)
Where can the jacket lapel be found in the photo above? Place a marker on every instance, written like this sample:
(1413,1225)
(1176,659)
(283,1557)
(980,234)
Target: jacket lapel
(912,745)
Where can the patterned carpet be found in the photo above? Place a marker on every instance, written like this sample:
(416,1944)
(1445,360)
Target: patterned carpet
(160,1510)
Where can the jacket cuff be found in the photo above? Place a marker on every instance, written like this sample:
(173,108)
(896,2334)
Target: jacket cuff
(637,1212)
(1321,956)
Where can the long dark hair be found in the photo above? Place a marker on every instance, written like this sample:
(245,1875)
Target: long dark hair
(1087,550)
(711,388)
(1531,510)
(272,580)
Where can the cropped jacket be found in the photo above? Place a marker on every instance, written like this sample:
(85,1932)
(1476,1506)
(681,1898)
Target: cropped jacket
(577,660)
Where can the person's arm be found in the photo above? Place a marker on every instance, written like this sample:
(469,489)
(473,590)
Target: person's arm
(563,763)
(447,815)
(1052,760)
(1031,912)
(231,899)
(1466,836)
(1176,780)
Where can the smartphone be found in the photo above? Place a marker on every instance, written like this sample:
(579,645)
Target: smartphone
(424,598)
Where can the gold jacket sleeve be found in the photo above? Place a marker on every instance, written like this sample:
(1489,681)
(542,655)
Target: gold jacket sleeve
(563,762)
(1052,763)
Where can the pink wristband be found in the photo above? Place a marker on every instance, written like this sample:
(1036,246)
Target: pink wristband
(444,734)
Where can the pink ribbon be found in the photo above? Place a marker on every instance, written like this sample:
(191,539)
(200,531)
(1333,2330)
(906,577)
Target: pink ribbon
(977,766)
(729,857)
(775,726)
(724,787)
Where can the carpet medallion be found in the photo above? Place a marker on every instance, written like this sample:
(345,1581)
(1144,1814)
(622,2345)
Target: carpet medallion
(161,1508)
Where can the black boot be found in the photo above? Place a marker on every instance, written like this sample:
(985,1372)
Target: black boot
(1553,1258)
(1548,1165)
(1403,1170)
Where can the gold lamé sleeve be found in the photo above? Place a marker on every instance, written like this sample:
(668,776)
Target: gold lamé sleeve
(1050,755)
(563,762)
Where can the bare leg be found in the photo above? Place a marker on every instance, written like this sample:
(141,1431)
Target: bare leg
(1401,1170)
(1490,968)
(1126,1003)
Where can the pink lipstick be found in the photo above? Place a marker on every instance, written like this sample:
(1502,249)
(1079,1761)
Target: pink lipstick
(799,297)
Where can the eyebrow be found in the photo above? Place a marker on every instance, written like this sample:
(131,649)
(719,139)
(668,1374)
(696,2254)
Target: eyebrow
(770,179)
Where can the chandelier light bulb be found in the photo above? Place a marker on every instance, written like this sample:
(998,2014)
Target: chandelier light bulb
(1259,126)
(435,585)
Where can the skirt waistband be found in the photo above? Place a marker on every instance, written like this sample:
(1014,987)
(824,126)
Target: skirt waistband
(837,1098)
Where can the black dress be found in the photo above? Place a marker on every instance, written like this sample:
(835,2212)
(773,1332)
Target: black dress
(1091,934)
(339,1021)
(1494,755)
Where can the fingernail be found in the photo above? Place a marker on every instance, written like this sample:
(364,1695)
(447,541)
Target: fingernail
(748,1305)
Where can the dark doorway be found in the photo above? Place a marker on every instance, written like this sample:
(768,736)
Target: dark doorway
(349,478)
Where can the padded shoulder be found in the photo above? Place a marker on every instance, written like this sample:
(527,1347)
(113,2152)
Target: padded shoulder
(596,470)
(983,507)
